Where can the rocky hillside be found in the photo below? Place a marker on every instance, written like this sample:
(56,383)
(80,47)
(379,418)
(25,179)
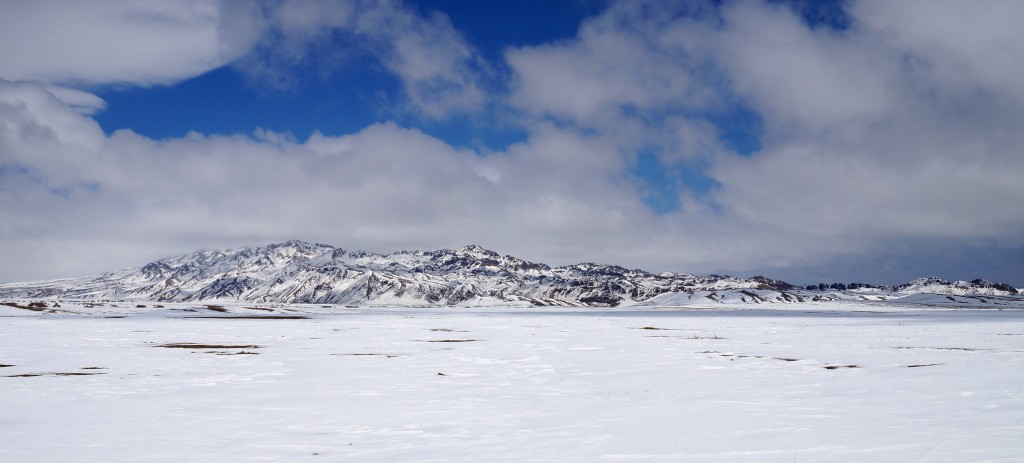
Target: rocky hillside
(300,272)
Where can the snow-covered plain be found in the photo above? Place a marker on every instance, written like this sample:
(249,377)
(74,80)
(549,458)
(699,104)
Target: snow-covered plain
(827,382)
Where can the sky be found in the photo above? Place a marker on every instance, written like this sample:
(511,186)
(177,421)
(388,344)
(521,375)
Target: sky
(810,141)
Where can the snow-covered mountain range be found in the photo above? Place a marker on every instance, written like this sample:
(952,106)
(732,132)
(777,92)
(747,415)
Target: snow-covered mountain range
(300,272)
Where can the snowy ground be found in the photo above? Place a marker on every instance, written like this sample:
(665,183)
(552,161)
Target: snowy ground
(828,383)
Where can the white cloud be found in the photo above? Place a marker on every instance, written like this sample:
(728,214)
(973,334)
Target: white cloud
(82,45)
(136,42)
(380,188)
(84,102)
(802,79)
(957,47)
(856,144)
(880,136)
(894,130)
(620,61)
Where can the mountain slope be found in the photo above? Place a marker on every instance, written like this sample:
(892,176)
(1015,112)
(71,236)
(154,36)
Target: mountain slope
(300,272)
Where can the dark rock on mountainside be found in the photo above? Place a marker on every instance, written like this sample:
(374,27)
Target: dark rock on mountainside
(301,272)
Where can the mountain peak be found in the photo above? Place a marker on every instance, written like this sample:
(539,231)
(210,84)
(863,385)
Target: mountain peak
(476,249)
(301,272)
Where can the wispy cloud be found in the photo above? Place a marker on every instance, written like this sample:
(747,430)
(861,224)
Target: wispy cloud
(130,42)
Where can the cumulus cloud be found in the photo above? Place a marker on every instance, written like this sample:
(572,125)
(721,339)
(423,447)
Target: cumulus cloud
(621,61)
(800,78)
(898,129)
(67,182)
(892,137)
(954,47)
(858,144)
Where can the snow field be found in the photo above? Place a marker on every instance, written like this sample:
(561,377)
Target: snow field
(468,385)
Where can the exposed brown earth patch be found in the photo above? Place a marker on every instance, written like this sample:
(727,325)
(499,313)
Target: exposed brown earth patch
(36,307)
(33,306)
(835,367)
(259,308)
(253,317)
(683,337)
(68,373)
(191,345)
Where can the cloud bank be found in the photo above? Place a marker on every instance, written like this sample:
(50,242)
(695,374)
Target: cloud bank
(887,148)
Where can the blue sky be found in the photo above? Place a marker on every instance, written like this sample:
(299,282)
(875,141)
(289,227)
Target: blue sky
(810,141)
(345,99)
(359,92)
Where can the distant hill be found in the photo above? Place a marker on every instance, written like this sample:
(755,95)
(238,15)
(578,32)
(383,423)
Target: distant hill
(301,272)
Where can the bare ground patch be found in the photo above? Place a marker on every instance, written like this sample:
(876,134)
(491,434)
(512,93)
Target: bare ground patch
(37,307)
(196,346)
(716,337)
(836,367)
(374,354)
(62,373)
(734,356)
(259,308)
(252,317)
(449,340)
(741,356)
(33,306)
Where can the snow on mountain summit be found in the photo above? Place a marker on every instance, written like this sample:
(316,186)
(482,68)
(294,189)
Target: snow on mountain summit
(302,272)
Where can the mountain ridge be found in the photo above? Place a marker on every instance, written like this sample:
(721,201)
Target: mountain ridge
(301,272)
